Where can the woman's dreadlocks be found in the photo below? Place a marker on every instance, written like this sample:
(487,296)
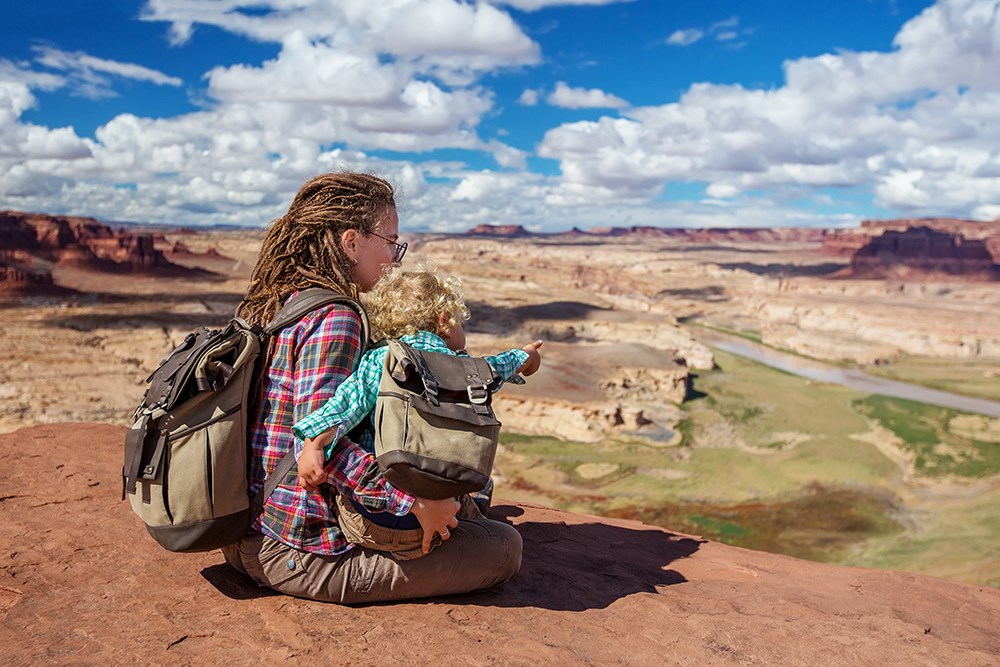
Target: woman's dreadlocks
(302,248)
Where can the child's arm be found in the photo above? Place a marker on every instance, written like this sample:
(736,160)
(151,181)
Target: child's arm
(354,398)
(512,362)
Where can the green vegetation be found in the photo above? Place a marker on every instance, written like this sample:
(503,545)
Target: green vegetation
(925,431)
(750,335)
(971,377)
(819,523)
(959,540)
(772,461)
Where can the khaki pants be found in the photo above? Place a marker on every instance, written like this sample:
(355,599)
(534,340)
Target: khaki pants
(481,553)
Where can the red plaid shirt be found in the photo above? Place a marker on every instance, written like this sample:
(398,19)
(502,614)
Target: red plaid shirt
(311,359)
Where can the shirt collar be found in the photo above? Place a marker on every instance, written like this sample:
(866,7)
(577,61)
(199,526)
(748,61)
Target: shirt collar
(425,340)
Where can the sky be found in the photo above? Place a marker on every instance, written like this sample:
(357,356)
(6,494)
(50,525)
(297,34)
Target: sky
(550,114)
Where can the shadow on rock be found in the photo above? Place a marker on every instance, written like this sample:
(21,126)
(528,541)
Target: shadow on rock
(784,270)
(573,567)
(233,584)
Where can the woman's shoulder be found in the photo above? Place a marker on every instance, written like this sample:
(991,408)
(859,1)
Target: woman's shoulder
(332,321)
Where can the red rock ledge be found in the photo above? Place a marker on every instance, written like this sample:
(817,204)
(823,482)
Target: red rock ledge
(81,583)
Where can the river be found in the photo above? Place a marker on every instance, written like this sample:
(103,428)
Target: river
(853,377)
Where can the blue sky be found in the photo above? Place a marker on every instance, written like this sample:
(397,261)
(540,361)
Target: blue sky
(545,113)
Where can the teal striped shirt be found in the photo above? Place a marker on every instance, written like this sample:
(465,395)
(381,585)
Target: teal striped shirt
(356,396)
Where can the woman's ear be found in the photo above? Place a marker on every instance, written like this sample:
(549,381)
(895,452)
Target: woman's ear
(349,244)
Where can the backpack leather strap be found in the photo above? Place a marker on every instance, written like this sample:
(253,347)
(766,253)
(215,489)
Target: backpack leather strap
(310,299)
(302,304)
(478,389)
(286,463)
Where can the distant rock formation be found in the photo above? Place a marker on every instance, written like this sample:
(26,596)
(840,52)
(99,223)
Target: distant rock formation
(921,252)
(179,250)
(756,234)
(35,242)
(846,242)
(20,281)
(970,229)
(514,231)
(694,235)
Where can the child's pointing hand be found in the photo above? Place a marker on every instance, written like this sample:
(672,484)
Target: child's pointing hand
(534,358)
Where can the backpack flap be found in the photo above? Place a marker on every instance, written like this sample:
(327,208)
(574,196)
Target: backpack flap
(439,380)
(213,370)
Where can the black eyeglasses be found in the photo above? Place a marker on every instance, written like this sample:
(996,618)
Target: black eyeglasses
(400,248)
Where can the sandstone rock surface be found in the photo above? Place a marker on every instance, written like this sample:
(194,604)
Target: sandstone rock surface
(81,583)
(922,251)
(35,242)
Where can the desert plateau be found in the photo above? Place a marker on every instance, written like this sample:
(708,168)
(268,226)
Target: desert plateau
(702,402)
(653,402)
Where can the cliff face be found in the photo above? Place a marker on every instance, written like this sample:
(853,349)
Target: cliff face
(32,243)
(922,251)
(82,583)
(511,231)
(845,242)
(694,235)
(970,229)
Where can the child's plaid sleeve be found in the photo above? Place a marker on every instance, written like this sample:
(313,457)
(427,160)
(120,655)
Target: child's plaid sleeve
(506,365)
(353,400)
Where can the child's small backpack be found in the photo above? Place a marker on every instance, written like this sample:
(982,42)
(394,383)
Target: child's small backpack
(186,451)
(435,430)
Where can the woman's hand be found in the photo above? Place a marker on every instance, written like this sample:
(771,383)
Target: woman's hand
(435,516)
(534,360)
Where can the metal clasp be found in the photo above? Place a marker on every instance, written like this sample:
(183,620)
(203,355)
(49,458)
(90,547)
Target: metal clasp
(478,394)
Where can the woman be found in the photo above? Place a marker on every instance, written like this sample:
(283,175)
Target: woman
(340,232)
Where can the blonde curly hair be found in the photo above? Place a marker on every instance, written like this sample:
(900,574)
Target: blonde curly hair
(404,302)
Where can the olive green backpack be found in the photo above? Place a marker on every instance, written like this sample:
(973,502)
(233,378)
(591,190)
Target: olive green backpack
(186,451)
(435,429)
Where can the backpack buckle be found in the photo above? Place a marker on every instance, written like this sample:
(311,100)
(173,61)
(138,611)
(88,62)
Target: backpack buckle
(478,394)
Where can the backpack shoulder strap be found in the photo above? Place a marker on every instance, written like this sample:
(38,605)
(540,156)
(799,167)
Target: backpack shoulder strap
(305,302)
(310,299)
(271,483)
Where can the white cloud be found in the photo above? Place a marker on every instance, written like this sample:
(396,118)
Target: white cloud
(89,76)
(583,98)
(507,156)
(528,98)
(449,39)
(727,30)
(685,37)
(725,24)
(914,125)
(28,78)
(535,5)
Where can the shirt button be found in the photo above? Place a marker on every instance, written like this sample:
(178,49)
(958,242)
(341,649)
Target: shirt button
(291,563)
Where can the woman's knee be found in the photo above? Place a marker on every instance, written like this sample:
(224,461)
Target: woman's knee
(503,544)
(515,546)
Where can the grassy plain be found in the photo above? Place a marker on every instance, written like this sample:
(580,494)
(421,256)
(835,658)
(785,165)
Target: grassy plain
(777,462)
(971,377)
